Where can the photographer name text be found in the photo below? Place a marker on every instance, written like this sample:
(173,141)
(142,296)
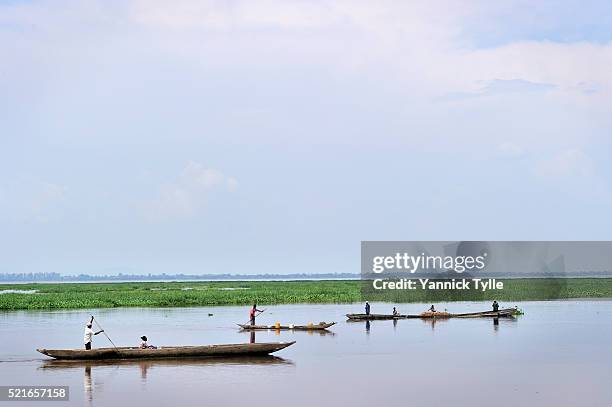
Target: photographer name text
(479,284)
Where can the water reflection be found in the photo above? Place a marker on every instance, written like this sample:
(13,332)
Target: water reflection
(143,367)
(174,362)
(319,332)
(87,384)
(278,332)
(506,322)
(433,321)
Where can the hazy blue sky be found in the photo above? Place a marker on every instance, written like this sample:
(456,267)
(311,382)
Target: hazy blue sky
(274,136)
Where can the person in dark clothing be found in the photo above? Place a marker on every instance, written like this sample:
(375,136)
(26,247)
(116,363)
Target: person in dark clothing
(253,312)
(395,313)
(432,308)
(367,308)
(495,306)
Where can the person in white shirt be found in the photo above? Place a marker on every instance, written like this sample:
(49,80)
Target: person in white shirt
(144,344)
(89,333)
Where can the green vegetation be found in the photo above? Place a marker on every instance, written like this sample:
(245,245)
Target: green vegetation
(176,294)
(190,294)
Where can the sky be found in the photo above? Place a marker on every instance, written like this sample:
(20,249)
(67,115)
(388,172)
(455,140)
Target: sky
(248,137)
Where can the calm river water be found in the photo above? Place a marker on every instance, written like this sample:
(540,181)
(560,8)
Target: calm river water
(557,354)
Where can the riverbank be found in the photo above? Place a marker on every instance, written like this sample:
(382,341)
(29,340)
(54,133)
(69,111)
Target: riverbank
(190,294)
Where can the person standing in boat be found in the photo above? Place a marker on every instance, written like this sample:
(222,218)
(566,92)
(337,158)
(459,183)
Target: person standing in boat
(253,313)
(367,308)
(395,313)
(495,306)
(432,308)
(89,333)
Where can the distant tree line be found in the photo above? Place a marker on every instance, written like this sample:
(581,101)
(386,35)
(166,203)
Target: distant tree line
(32,277)
(50,277)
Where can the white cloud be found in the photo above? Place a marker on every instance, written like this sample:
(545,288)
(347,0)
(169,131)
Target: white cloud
(47,201)
(31,200)
(501,87)
(189,14)
(195,175)
(421,40)
(566,164)
(423,48)
(188,195)
(511,149)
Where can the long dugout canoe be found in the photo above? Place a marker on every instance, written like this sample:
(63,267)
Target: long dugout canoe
(242,349)
(503,313)
(313,327)
(369,317)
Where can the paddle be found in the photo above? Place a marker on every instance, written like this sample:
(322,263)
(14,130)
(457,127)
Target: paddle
(260,312)
(104,332)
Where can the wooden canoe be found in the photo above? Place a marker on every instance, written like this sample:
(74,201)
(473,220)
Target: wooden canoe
(502,313)
(317,327)
(242,349)
(369,317)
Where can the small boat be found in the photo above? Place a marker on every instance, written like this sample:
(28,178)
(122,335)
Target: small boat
(502,313)
(310,327)
(369,317)
(242,349)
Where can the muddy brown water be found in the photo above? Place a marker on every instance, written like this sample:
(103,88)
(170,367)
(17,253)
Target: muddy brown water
(557,354)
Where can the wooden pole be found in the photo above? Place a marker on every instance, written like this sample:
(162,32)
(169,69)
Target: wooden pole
(249,321)
(104,332)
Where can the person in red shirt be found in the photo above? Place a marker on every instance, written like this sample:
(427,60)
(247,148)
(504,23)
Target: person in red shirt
(252,313)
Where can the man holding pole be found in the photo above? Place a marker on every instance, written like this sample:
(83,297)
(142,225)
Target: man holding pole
(89,333)
(253,312)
